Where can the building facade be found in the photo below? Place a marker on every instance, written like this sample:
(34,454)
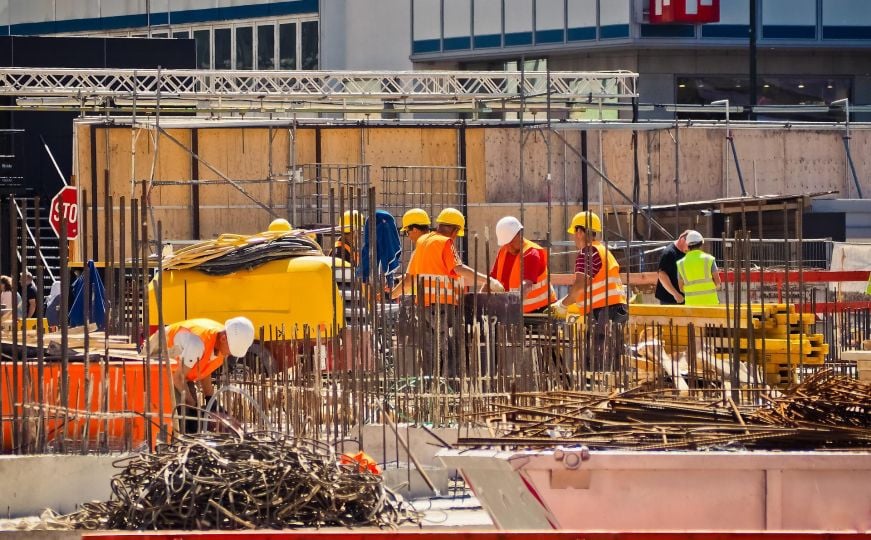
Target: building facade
(234,34)
(810,52)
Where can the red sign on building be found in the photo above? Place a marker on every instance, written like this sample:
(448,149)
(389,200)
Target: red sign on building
(684,11)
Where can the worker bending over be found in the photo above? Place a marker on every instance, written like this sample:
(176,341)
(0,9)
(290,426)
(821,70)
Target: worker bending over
(346,247)
(597,288)
(697,274)
(509,235)
(200,347)
(415,223)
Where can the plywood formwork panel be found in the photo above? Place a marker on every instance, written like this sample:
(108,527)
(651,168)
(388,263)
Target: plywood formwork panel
(860,148)
(764,150)
(502,163)
(476,166)
(812,160)
(340,146)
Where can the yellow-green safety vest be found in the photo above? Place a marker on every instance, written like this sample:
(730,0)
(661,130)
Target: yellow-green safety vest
(696,271)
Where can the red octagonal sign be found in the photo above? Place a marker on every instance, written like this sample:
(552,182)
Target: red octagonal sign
(65,205)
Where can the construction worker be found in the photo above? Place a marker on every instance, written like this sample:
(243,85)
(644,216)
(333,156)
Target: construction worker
(200,347)
(697,273)
(433,278)
(667,288)
(345,247)
(415,223)
(436,259)
(509,235)
(597,288)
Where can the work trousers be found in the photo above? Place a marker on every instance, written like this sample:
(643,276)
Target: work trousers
(605,351)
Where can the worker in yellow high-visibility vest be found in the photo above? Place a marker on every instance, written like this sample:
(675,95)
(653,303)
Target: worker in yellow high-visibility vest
(697,274)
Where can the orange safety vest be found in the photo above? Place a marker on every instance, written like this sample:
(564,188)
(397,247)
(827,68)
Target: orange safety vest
(434,282)
(536,296)
(606,288)
(207,330)
(354,255)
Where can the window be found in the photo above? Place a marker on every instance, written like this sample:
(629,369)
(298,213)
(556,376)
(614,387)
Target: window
(223,48)
(310,45)
(774,90)
(266,47)
(244,47)
(184,34)
(204,52)
(287,46)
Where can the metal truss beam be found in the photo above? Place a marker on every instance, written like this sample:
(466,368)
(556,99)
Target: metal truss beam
(460,87)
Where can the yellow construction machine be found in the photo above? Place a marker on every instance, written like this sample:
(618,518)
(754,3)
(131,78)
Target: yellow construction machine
(280,279)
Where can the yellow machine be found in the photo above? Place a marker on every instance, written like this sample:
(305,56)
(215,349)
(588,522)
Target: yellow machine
(279,279)
(288,293)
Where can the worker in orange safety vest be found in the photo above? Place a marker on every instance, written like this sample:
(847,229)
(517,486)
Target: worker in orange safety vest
(536,293)
(200,347)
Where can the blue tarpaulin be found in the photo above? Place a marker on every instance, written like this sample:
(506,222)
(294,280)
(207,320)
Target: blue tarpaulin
(98,299)
(388,248)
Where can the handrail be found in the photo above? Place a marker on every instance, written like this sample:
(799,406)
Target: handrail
(33,239)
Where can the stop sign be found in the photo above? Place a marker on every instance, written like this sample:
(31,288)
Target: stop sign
(65,205)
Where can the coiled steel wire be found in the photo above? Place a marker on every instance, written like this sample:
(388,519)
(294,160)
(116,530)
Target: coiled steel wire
(227,481)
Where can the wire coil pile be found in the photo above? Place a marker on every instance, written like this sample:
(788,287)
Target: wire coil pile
(226,482)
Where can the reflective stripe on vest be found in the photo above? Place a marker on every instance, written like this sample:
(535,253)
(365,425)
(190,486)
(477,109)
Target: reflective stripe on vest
(536,295)
(695,270)
(347,247)
(606,289)
(434,282)
(207,330)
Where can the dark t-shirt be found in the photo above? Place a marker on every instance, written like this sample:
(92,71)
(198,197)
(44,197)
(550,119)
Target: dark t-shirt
(668,264)
(28,293)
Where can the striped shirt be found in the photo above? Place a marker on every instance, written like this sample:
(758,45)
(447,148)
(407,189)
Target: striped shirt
(591,268)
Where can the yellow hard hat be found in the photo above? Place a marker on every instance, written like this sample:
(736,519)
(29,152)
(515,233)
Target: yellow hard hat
(352,219)
(587,220)
(280,225)
(415,216)
(452,216)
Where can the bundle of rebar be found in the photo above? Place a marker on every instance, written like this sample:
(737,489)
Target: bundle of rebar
(229,481)
(826,411)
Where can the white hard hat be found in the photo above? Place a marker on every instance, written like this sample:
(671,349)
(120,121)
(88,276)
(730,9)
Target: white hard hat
(506,229)
(695,237)
(187,347)
(240,335)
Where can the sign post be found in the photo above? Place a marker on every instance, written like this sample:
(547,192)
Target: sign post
(65,205)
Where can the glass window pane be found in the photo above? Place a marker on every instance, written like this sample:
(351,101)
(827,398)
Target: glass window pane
(266,47)
(310,45)
(203,44)
(181,35)
(158,35)
(244,47)
(287,46)
(222,48)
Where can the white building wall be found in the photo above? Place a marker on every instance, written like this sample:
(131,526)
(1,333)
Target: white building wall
(366,34)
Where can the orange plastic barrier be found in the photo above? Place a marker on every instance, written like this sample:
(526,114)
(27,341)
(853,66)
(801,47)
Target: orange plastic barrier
(126,401)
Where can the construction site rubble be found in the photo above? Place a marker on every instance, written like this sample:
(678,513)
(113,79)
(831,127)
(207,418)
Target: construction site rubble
(232,481)
(824,412)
